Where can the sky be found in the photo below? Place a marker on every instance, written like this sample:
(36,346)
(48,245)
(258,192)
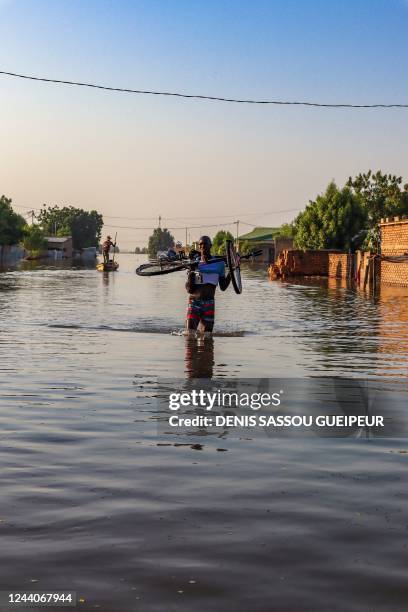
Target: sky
(198,164)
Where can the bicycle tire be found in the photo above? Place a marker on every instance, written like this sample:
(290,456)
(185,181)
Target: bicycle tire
(233,262)
(158,268)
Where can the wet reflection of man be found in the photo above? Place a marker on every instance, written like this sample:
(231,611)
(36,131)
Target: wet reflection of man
(199,356)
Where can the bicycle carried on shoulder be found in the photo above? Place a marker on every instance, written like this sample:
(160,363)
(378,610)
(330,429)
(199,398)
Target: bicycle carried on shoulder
(167,265)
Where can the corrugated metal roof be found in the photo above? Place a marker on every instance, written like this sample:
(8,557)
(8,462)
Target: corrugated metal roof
(58,239)
(260,233)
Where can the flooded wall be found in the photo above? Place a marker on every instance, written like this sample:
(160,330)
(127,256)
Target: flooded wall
(296,262)
(11,253)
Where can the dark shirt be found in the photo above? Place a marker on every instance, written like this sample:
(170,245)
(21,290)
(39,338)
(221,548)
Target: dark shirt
(107,245)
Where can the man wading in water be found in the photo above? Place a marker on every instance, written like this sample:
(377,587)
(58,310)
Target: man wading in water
(201,285)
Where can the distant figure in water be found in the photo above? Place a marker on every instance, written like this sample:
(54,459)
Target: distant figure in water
(106,248)
(201,285)
(171,253)
(180,251)
(175,252)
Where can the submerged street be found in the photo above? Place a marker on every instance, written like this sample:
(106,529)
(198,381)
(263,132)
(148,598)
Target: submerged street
(97,499)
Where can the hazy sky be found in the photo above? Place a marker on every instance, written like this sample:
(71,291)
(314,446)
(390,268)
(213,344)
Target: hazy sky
(141,156)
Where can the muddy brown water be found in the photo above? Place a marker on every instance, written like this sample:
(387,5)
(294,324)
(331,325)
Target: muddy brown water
(94,500)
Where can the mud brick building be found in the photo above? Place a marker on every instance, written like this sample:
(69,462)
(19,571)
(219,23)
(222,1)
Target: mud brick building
(297,262)
(394,251)
(388,268)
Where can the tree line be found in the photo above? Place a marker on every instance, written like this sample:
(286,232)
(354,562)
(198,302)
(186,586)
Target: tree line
(348,217)
(85,227)
(340,218)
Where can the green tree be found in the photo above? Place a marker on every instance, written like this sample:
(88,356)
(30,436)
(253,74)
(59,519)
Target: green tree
(160,240)
(11,224)
(85,227)
(245,247)
(34,238)
(219,243)
(286,230)
(332,221)
(382,195)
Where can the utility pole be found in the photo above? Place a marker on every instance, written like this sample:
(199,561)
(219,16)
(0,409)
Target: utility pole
(31,214)
(236,239)
(159,221)
(186,236)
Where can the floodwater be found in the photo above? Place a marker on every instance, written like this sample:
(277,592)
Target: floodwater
(95,500)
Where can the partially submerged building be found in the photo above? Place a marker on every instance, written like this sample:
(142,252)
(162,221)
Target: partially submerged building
(10,254)
(323,262)
(388,267)
(59,247)
(265,239)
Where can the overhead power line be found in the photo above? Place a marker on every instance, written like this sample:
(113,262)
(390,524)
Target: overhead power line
(21,206)
(239,214)
(196,217)
(245,223)
(200,96)
(183,227)
(184,218)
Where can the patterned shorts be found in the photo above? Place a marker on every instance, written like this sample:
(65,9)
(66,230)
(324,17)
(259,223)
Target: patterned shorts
(201,310)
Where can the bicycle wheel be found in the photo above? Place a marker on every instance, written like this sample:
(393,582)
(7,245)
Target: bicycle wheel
(156,268)
(233,261)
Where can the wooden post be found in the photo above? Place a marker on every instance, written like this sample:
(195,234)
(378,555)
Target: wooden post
(374,272)
(350,259)
(366,271)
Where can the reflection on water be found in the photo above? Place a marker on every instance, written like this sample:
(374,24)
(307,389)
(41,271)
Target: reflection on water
(199,356)
(392,329)
(95,500)
(346,329)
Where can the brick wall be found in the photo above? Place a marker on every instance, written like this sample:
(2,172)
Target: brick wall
(394,273)
(394,237)
(296,262)
(394,242)
(339,265)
